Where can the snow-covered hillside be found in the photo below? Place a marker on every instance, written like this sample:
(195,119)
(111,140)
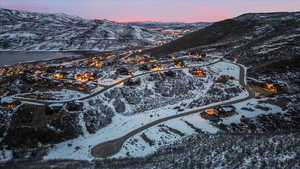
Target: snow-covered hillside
(20,30)
(253,38)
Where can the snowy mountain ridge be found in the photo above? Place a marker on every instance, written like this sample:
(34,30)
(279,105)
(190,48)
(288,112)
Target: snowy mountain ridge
(22,30)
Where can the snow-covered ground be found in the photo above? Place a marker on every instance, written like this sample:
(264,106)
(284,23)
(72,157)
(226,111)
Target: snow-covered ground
(5,155)
(248,114)
(136,146)
(162,134)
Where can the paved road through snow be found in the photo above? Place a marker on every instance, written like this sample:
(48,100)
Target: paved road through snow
(110,148)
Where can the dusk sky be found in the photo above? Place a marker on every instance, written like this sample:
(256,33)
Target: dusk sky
(153,10)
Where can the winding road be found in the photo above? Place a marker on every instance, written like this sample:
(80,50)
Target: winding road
(104,89)
(112,147)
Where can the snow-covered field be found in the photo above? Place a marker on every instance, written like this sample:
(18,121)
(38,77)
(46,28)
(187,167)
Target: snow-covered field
(135,146)
(248,114)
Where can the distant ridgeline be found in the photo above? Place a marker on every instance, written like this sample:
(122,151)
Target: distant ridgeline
(22,30)
(250,38)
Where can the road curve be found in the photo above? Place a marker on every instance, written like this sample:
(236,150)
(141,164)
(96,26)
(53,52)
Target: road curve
(105,89)
(110,148)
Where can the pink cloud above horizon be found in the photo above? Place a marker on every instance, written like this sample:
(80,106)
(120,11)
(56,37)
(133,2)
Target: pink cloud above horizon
(149,10)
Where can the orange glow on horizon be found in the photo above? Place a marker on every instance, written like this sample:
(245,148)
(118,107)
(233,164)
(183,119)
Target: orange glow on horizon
(166,21)
(196,14)
(188,13)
